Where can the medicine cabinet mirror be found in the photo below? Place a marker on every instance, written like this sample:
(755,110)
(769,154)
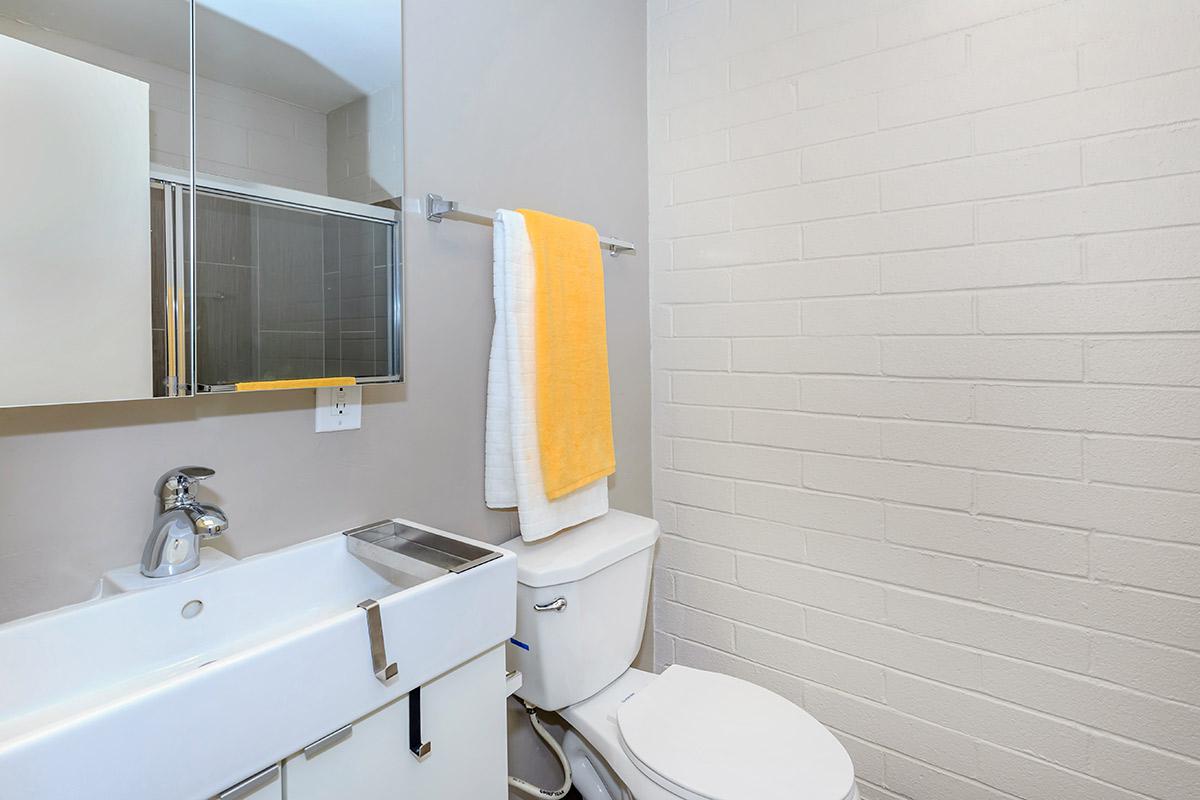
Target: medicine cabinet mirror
(299,167)
(91,95)
(284,122)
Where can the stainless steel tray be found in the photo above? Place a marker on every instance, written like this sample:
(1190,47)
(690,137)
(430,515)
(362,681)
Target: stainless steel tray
(417,552)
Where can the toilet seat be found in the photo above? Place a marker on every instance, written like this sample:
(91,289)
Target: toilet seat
(706,736)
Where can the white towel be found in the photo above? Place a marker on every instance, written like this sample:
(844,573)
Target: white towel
(512,462)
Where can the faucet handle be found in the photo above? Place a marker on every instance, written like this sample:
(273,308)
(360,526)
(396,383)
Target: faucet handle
(180,480)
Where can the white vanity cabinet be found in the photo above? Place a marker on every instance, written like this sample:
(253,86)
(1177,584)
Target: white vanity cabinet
(462,718)
(283,654)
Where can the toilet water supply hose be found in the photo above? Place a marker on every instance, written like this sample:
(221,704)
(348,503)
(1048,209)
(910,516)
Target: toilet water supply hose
(537,791)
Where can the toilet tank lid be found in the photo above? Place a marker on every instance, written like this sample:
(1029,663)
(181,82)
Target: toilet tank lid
(580,551)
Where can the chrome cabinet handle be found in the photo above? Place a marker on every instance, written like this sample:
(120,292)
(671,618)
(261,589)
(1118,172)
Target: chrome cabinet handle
(557,604)
(251,784)
(327,741)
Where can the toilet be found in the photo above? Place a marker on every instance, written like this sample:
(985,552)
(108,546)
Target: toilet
(634,735)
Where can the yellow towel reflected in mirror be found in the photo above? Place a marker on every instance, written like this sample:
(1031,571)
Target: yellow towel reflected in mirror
(302,383)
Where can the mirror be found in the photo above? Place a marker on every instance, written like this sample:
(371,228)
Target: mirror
(299,173)
(92,94)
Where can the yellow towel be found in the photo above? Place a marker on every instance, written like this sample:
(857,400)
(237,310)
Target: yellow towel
(302,383)
(574,410)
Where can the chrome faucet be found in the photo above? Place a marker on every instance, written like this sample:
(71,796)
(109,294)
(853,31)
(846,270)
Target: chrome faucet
(180,523)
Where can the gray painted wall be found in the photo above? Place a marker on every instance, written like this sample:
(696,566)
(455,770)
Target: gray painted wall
(515,103)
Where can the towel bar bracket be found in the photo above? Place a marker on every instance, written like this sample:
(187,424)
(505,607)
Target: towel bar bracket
(436,207)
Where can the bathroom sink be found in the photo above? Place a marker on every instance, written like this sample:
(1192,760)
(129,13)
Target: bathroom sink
(221,673)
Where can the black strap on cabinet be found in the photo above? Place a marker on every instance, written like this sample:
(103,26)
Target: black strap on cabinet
(418,748)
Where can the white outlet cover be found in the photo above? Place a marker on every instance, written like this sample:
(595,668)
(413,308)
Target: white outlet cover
(339,408)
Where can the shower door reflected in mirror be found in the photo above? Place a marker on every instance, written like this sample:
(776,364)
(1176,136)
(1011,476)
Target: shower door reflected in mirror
(289,292)
(299,147)
(90,95)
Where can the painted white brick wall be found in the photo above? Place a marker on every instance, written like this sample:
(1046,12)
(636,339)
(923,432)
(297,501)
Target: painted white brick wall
(926,286)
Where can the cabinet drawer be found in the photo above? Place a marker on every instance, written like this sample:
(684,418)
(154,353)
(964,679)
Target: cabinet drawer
(463,719)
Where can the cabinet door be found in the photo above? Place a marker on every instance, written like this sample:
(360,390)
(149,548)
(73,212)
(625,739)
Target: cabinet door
(74,240)
(463,719)
(300,175)
(94,102)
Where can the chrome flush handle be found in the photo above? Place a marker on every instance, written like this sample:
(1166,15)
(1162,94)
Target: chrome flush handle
(557,604)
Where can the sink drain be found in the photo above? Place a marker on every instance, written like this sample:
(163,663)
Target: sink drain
(191,609)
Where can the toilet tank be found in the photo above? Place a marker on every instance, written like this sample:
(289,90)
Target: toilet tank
(591,583)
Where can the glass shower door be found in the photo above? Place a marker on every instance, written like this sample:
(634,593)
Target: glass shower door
(292,293)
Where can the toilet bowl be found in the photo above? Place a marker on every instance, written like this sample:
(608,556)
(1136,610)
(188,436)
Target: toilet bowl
(687,734)
(700,735)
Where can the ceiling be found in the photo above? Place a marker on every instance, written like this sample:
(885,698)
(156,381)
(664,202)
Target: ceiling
(320,55)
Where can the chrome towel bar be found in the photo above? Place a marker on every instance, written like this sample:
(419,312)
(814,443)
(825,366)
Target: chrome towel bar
(437,209)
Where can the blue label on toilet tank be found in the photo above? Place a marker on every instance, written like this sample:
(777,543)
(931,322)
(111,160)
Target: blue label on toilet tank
(519,643)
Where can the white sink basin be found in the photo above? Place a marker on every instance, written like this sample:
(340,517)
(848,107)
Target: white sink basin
(130,696)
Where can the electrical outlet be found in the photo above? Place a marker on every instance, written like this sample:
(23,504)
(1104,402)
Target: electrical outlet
(339,408)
